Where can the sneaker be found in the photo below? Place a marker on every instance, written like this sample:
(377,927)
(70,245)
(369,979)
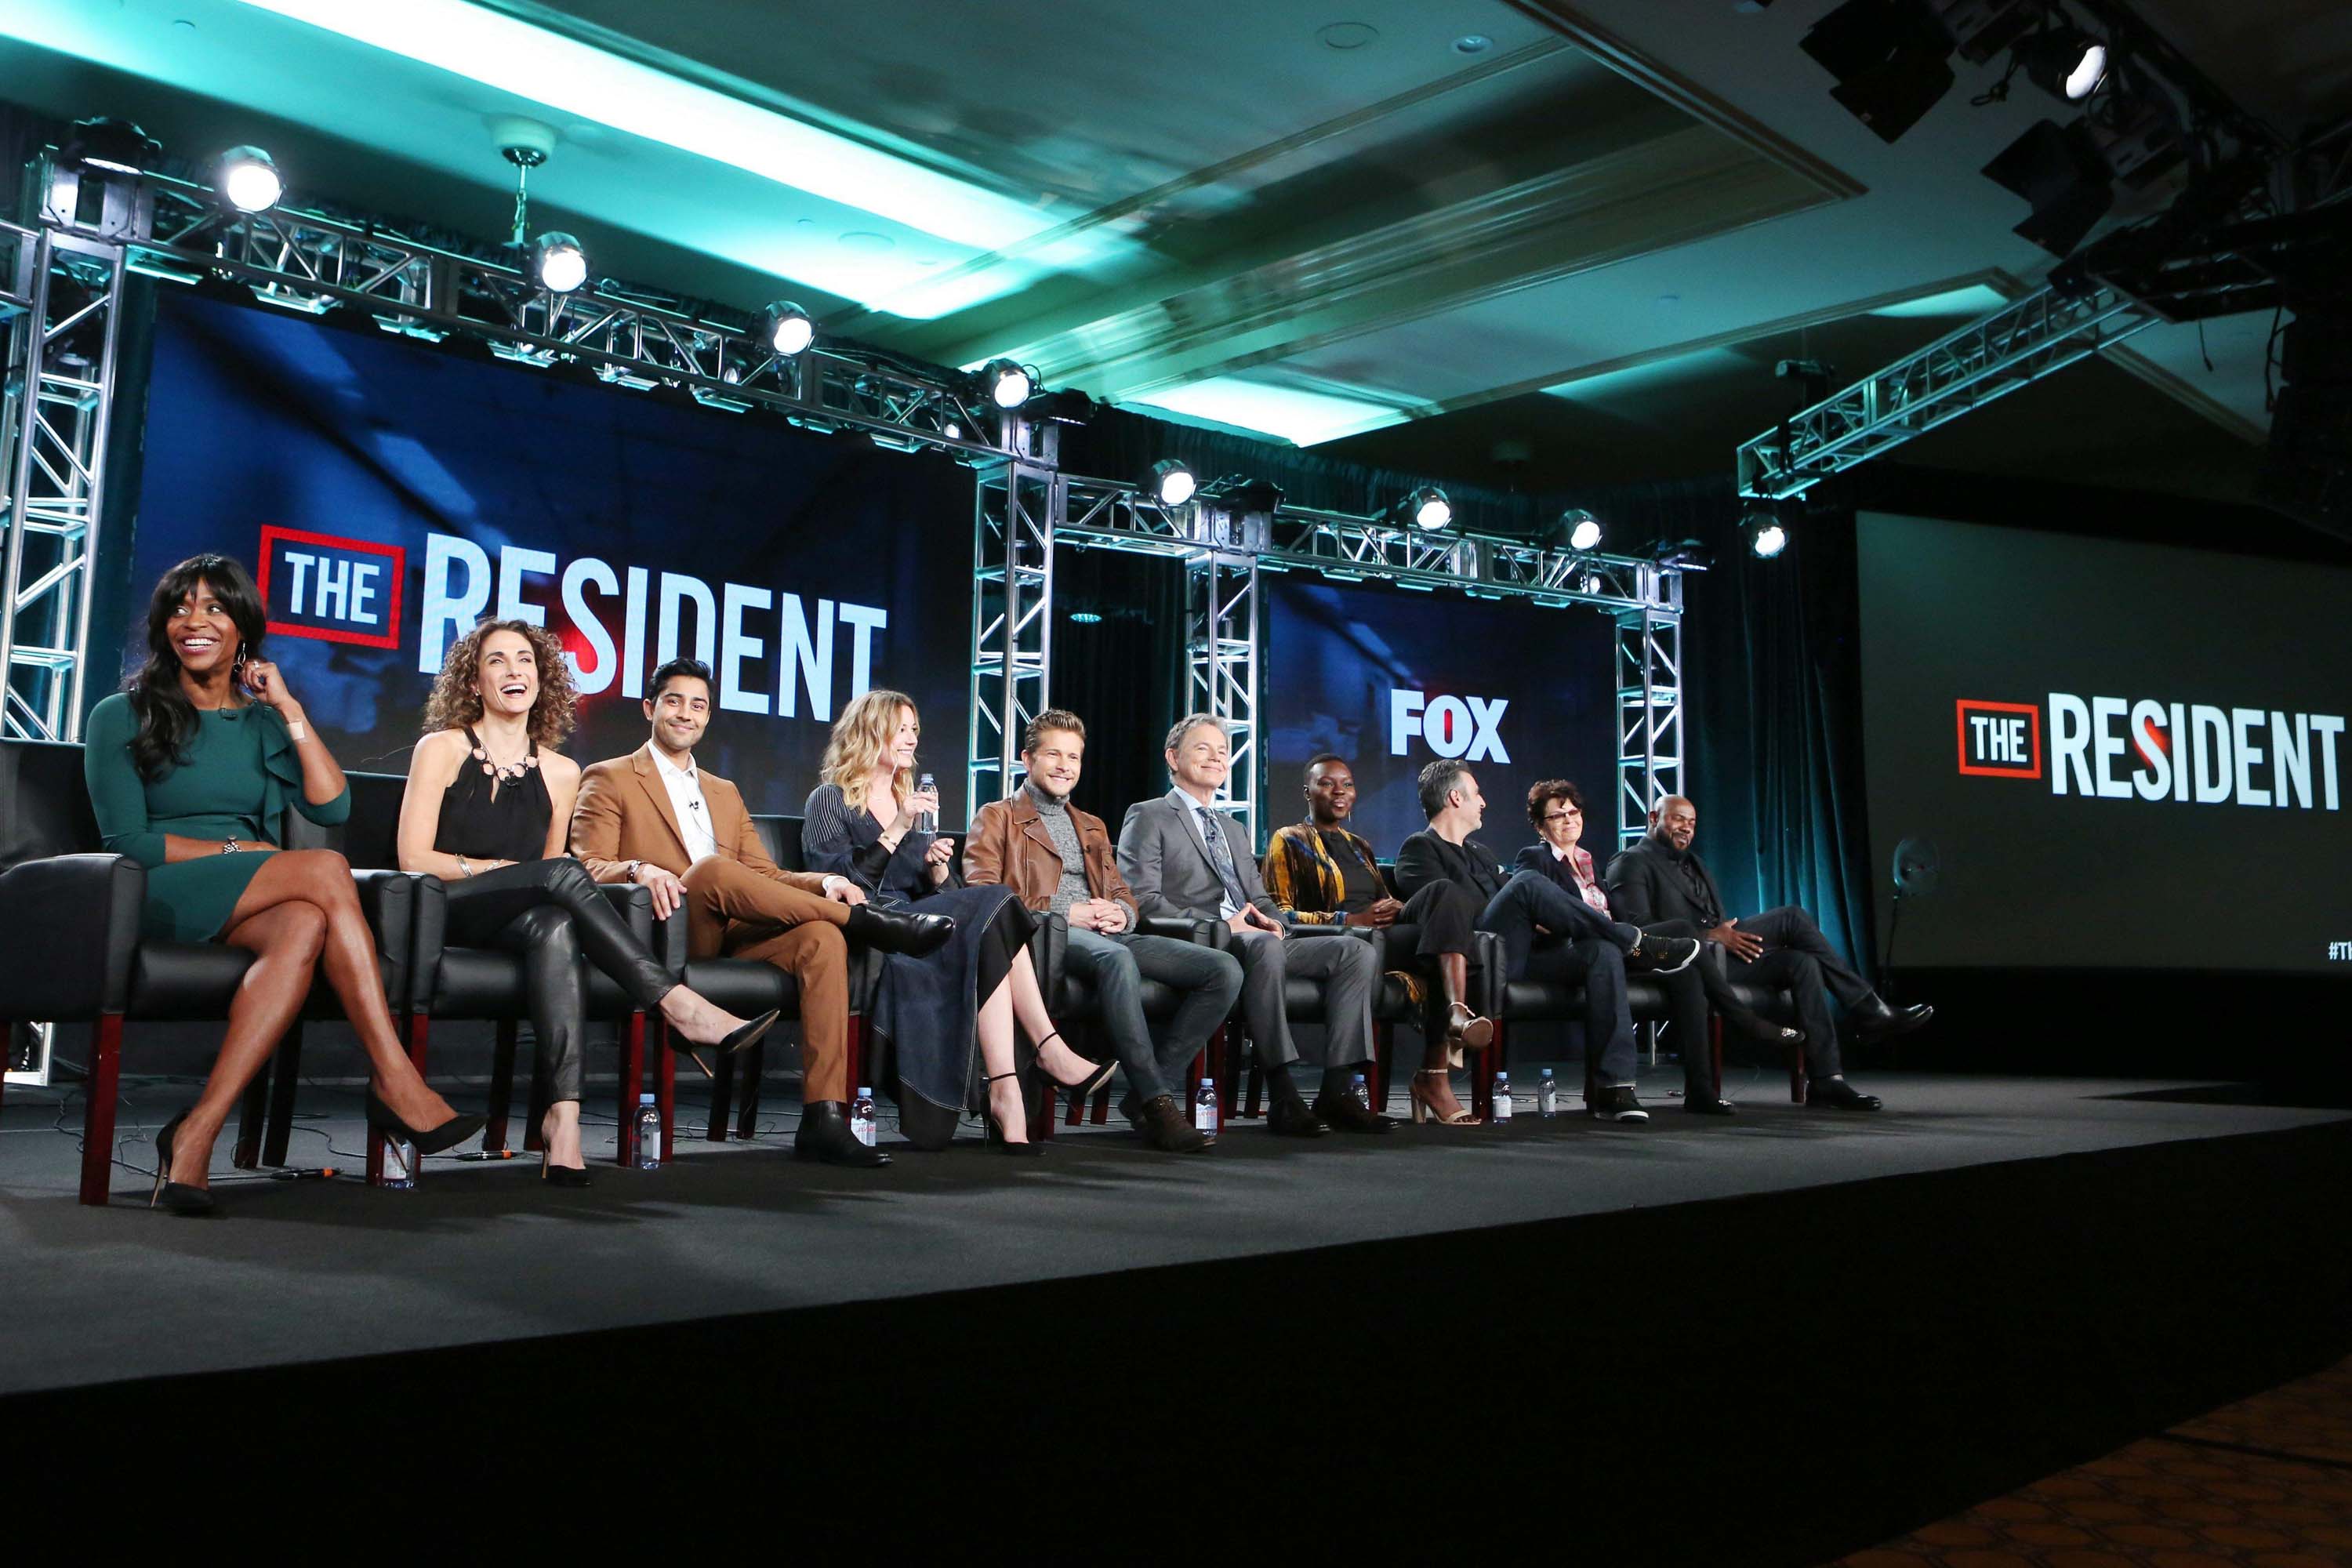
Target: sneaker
(1665,954)
(1617,1103)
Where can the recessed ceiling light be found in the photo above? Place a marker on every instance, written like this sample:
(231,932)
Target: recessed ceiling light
(1473,44)
(1348,35)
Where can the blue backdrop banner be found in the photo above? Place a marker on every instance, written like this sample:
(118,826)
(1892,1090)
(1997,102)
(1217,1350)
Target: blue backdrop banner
(1393,680)
(386,494)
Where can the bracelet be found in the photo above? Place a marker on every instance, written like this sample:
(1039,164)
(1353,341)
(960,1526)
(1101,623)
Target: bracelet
(230,847)
(463,868)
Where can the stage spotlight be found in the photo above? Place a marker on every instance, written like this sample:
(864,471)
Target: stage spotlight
(2064,62)
(785,327)
(1579,529)
(247,180)
(104,142)
(1425,507)
(2065,178)
(1242,493)
(1891,58)
(1066,405)
(1009,384)
(1170,482)
(1766,537)
(558,262)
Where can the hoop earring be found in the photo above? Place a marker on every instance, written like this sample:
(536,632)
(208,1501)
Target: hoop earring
(236,667)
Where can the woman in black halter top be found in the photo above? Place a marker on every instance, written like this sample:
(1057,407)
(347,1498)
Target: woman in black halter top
(488,810)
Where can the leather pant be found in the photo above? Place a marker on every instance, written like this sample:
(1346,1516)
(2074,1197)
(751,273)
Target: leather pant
(549,913)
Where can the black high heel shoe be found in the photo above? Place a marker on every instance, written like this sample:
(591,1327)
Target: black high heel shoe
(745,1035)
(431,1140)
(178,1197)
(561,1176)
(1085,1087)
(996,1139)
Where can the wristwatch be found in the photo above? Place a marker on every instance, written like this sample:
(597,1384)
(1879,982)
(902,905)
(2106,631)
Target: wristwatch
(631,875)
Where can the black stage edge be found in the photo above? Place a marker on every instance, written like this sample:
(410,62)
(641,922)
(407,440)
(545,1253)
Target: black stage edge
(1776,1379)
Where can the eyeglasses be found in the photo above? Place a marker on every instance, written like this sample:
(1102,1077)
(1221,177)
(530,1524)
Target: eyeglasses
(1562,815)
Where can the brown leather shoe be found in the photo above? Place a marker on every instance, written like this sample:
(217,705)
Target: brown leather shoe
(1164,1127)
(1345,1114)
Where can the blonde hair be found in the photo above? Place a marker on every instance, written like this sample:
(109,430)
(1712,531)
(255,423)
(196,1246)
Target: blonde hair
(456,700)
(861,736)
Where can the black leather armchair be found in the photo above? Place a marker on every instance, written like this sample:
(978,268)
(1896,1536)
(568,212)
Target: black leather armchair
(69,921)
(1072,999)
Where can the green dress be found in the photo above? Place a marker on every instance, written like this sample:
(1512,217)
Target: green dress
(240,776)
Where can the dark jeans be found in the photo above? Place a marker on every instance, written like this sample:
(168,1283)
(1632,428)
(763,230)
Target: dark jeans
(1118,965)
(1690,991)
(548,913)
(1798,959)
(1593,956)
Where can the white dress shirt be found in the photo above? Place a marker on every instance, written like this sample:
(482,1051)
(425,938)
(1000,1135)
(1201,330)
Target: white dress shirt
(686,802)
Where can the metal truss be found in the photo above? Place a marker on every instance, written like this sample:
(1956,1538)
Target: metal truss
(1649,665)
(1223,636)
(60,306)
(2009,348)
(1011,621)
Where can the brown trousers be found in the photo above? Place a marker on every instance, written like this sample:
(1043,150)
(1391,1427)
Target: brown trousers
(733,909)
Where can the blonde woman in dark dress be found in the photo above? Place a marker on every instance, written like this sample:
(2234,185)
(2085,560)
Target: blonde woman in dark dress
(189,769)
(488,808)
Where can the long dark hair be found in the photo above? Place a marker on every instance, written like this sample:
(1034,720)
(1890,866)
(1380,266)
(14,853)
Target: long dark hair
(167,719)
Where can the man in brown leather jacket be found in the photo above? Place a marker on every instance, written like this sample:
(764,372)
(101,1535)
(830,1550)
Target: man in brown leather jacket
(1057,858)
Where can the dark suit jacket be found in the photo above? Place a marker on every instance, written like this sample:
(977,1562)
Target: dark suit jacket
(1538,859)
(1646,887)
(1424,858)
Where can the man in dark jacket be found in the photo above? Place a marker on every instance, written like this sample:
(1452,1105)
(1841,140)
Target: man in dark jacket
(1660,880)
(1526,911)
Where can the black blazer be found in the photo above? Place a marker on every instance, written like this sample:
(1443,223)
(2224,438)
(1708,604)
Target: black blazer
(1646,887)
(1538,859)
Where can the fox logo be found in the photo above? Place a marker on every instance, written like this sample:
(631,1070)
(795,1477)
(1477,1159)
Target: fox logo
(1465,727)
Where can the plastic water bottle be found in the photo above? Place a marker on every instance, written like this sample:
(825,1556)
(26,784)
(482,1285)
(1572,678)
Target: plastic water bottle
(1204,1108)
(926,821)
(399,1164)
(649,1149)
(1502,1097)
(1362,1091)
(1547,1096)
(861,1115)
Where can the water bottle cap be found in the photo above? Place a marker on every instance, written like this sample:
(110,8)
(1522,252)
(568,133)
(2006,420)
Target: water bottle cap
(1502,1078)
(1208,1083)
(1547,1072)
(1359,1078)
(644,1100)
(865,1091)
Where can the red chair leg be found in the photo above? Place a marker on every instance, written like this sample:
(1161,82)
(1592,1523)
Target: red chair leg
(502,1060)
(1482,1074)
(722,1097)
(246,1154)
(285,1073)
(1101,1112)
(1254,1107)
(98,1106)
(1796,1074)
(1074,1115)
(665,1063)
(854,1050)
(1213,1059)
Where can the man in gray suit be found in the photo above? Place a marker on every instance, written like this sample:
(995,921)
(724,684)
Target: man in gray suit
(1177,861)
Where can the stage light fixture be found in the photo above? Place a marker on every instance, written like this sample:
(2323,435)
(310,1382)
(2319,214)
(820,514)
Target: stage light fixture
(2061,171)
(2064,62)
(1580,530)
(1009,384)
(1892,59)
(1170,482)
(785,327)
(558,262)
(103,142)
(247,180)
(1242,493)
(1065,405)
(1766,537)
(1424,507)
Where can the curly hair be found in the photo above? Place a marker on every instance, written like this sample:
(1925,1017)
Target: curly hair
(863,733)
(1543,792)
(456,700)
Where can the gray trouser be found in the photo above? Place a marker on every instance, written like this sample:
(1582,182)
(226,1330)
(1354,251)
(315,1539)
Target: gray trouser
(1118,965)
(1348,972)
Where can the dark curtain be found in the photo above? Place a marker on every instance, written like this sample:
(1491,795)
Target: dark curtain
(1124,674)
(1772,728)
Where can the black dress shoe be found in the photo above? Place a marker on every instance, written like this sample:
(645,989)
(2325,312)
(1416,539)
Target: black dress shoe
(1840,1094)
(1709,1105)
(1164,1128)
(899,930)
(1875,1020)
(1289,1117)
(824,1136)
(1346,1114)
(1617,1103)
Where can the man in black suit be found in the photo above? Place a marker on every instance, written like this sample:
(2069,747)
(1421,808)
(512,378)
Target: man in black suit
(1660,880)
(1547,934)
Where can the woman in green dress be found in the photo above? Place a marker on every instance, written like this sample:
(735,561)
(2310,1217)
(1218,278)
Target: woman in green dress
(189,768)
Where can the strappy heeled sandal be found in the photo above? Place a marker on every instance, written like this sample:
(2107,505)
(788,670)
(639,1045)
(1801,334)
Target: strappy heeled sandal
(996,1138)
(1426,1108)
(1085,1087)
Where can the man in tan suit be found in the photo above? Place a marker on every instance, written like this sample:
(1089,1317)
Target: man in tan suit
(654,818)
